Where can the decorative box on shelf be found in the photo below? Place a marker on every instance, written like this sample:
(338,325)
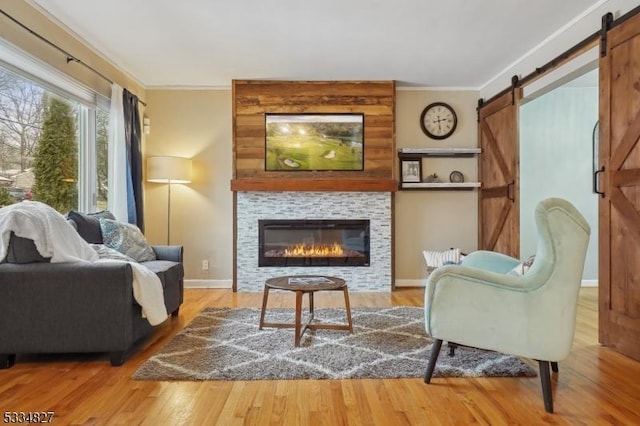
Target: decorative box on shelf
(411,169)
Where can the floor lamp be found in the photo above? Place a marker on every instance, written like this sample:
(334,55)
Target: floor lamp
(168,170)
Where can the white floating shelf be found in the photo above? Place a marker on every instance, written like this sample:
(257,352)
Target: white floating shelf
(440,151)
(440,185)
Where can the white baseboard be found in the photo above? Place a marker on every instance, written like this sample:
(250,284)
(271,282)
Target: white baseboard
(423,283)
(411,283)
(399,283)
(208,283)
(229,283)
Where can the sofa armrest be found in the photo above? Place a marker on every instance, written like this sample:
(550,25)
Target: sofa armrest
(172,253)
(66,307)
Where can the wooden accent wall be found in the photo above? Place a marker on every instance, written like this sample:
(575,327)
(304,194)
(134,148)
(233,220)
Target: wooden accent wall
(253,98)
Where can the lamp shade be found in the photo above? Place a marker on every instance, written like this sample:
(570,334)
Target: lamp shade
(168,169)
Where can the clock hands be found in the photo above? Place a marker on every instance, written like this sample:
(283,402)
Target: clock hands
(439,121)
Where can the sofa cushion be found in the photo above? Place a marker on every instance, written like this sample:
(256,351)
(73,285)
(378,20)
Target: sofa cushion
(23,250)
(88,225)
(127,239)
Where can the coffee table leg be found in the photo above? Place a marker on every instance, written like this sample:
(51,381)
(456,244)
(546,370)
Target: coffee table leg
(311,305)
(265,297)
(348,308)
(298,317)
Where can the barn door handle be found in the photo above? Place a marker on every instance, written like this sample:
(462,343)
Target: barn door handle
(510,194)
(595,182)
(595,138)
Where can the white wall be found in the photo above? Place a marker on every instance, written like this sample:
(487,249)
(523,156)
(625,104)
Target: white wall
(435,220)
(556,161)
(194,124)
(570,35)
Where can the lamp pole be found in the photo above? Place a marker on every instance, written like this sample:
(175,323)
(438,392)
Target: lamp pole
(164,169)
(169,212)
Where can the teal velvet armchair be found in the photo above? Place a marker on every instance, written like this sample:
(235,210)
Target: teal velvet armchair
(479,304)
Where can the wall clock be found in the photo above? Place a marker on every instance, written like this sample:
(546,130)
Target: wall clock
(438,120)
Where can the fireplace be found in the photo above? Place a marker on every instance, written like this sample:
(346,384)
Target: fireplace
(304,242)
(254,206)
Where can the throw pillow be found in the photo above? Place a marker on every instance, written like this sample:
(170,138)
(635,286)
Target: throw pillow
(435,259)
(88,225)
(522,267)
(22,250)
(127,239)
(105,252)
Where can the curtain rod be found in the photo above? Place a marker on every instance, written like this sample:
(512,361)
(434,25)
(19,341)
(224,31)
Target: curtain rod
(69,56)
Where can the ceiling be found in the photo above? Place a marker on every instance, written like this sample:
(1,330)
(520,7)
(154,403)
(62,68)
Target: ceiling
(418,43)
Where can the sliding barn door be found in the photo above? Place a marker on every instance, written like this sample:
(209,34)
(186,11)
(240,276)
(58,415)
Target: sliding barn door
(619,208)
(498,205)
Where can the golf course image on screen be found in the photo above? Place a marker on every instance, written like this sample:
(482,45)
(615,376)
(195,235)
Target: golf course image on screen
(297,142)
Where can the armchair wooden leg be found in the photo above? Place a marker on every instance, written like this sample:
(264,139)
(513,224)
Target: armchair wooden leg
(435,351)
(452,348)
(545,378)
(554,366)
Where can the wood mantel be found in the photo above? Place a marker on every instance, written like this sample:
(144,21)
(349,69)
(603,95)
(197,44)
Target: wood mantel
(326,184)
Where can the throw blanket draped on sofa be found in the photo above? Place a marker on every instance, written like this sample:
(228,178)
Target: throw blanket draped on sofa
(55,238)
(48,229)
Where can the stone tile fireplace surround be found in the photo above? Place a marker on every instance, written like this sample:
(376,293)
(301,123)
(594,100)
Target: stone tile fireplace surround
(374,206)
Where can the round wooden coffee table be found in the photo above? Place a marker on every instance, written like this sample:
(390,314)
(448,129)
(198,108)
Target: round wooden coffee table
(301,284)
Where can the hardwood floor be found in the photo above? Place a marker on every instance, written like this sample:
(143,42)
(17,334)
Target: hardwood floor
(595,385)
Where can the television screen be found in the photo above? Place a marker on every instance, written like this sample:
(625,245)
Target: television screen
(314,142)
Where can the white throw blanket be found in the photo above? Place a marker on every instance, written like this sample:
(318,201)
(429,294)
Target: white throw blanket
(54,237)
(147,291)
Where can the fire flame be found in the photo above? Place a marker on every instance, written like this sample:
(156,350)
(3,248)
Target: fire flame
(314,250)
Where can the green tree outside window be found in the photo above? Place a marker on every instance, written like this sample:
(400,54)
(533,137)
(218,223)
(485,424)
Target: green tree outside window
(5,197)
(56,158)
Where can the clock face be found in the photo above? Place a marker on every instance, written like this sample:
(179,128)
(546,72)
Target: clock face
(438,120)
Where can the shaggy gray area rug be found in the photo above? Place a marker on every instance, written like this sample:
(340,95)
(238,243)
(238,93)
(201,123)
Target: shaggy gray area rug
(225,344)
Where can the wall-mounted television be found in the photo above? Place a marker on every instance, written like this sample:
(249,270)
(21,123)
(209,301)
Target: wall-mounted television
(296,142)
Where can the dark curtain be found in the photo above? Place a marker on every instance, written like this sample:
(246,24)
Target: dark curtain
(134,158)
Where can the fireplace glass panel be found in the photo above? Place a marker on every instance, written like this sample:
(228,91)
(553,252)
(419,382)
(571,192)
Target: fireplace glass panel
(313,242)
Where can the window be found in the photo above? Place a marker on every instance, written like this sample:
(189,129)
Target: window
(53,143)
(102,159)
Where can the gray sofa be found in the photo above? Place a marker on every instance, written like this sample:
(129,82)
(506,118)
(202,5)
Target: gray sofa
(77,307)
